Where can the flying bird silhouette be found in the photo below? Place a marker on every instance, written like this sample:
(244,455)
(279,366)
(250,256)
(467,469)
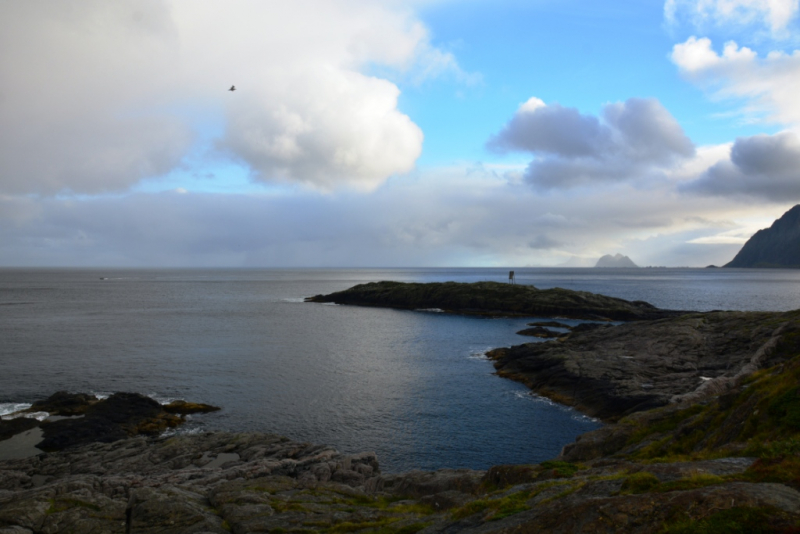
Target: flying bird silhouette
(233,88)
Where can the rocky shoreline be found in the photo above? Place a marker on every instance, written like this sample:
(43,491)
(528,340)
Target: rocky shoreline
(703,435)
(614,371)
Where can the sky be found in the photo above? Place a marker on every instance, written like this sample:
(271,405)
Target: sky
(431,133)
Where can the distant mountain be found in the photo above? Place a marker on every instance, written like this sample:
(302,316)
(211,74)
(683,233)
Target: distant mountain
(617,260)
(776,246)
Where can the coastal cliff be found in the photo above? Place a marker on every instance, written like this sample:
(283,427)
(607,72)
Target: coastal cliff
(777,246)
(495,299)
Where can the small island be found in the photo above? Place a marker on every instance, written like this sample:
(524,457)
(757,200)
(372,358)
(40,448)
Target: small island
(617,261)
(496,299)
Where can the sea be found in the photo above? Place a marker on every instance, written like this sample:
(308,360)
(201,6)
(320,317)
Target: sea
(413,386)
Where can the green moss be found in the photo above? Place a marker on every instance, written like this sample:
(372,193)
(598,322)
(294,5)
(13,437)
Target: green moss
(640,482)
(65,503)
(562,469)
(471,508)
(666,424)
(785,470)
(786,408)
(411,529)
(762,416)
(698,480)
(510,505)
(348,526)
(737,520)
(570,489)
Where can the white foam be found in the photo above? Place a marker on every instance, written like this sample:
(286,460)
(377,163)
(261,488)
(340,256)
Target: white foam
(533,397)
(582,418)
(479,354)
(293,299)
(39,416)
(162,400)
(430,310)
(182,431)
(7,408)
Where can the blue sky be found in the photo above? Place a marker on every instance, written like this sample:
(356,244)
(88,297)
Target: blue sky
(362,133)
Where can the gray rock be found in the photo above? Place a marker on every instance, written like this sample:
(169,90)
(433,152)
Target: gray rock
(611,372)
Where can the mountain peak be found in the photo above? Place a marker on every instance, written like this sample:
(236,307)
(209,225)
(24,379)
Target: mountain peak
(776,246)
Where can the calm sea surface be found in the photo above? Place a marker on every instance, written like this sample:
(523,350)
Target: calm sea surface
(412,386)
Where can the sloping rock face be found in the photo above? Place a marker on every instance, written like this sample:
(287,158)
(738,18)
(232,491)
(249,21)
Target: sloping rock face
(495,299)
(243,483)
(613,371)
(206,483)
(776,246)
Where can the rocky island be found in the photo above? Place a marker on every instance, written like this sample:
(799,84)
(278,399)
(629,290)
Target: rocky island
(617,261)
(495,299)
(703,436)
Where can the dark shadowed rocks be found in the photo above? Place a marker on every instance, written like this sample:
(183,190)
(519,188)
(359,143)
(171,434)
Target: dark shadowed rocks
(11,427)
(187,408)
(119,416)
(495,299)
(541,332)
(89,420)
(551,324)
(63,403)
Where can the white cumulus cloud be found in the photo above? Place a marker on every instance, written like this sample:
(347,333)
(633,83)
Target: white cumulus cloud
(772,14)
(766,84)
(99,95)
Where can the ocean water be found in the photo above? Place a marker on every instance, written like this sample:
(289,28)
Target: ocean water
(414,386)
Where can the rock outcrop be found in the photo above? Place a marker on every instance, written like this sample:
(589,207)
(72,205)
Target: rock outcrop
(776,246)
(617,261)
(611,372)
(88,419)
(495,299)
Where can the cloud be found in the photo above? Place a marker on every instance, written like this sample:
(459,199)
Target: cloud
(543,242)
(767,85)
(447,218)
(632,139)
(99,95)
(765,167)
(349,133)
(75,76)
(773,14)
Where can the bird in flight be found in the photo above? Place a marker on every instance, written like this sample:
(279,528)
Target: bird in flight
(233,88)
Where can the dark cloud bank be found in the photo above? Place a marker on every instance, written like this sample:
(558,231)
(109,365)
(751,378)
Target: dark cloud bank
(763,167)
(629,140)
